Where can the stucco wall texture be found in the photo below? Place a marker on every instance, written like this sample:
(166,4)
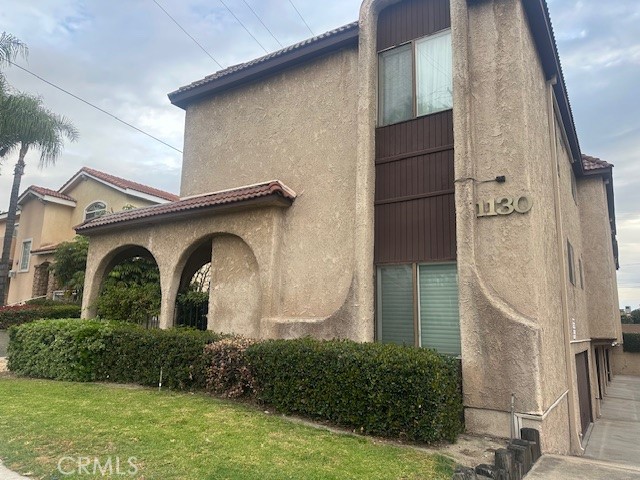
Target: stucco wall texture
(298,127)
(308,269)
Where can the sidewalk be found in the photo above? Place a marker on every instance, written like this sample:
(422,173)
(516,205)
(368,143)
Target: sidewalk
(6,474)
(556,467)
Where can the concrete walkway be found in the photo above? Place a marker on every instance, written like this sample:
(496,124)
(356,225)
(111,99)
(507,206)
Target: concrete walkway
(616,434)
(613,450)
(555,467)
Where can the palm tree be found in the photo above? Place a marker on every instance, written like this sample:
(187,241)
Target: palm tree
(26,123)
(10,48)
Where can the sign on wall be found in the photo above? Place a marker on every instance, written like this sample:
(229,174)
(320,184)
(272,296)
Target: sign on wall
(503,206)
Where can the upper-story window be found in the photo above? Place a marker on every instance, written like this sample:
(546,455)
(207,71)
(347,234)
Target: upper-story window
(96,209)
(415,79)
(25,255)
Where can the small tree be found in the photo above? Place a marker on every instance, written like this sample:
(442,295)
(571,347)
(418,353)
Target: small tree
(131,292)
(70,263)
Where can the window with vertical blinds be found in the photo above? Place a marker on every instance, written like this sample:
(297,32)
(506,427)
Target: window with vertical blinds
(395,304)
(436,306)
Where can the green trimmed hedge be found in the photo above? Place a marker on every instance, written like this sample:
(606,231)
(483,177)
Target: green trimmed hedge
(377,389)
(385,390)
(19,314)
(91,350)
(631,342)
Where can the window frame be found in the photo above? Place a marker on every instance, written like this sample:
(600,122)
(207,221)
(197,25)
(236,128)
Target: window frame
(414,87)
(22,256)
(90,205)
(415,277)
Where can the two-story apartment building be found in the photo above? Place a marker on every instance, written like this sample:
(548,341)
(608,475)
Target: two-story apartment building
(414,177)
(48,217)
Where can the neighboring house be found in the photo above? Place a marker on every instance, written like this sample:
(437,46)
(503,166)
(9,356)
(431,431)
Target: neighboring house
(415,178)
(48,217)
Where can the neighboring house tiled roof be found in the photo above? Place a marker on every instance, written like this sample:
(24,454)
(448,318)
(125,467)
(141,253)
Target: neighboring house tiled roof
(45,249)
(191,204)
(126,184)
(593,163)
(48,192)
(320,44)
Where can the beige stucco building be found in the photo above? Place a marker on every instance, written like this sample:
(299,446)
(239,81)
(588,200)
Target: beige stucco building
(414,177)
(48,217)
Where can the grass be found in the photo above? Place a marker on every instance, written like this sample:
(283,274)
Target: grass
(183,436)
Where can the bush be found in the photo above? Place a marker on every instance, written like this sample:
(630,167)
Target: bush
(17,315)
(227,370)
(58,349)
(91,350)
(377,389)
(631,342)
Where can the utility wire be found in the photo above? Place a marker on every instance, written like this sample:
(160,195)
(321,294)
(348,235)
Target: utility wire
(300,15)
(94,106)
(260,20)
(187,33)
(243,26)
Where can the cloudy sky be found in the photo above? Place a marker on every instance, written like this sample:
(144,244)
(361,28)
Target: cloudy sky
(125,56)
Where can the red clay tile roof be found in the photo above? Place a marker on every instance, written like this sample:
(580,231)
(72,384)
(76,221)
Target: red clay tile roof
(45,249)
(128,184)
(594,163)
(192,204)
(47,191)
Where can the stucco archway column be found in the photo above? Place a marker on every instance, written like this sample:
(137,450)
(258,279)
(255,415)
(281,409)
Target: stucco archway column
(94,274)
(170,274)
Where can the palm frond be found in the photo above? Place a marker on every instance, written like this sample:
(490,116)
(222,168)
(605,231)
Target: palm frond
(11,48)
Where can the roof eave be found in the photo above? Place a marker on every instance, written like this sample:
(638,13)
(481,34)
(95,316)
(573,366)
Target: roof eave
(254,72)
(276,200)
(540,24)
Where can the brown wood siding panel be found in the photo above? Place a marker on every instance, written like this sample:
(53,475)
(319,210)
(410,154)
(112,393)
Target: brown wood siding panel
(411,19)
(414,199)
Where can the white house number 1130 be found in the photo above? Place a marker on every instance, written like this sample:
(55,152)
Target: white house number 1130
(503,206)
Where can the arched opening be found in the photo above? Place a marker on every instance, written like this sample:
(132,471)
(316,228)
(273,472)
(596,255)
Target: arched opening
(192,301)
(130,287)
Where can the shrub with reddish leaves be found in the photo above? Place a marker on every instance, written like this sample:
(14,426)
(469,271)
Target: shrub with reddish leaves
(19,314)
(228,372)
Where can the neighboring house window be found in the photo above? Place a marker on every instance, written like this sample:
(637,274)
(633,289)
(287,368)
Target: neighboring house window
(418,305)
(416,79)
(571,263)
(96,209)
(26,255)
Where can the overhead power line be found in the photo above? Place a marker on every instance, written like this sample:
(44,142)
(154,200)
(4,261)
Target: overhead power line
(94,106)
(260,20)
(188,34)
(244,26)
(300,15)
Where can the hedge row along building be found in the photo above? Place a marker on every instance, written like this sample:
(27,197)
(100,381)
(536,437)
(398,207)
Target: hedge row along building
(414,177)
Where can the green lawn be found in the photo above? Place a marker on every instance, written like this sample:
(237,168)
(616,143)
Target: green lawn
(181,436)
